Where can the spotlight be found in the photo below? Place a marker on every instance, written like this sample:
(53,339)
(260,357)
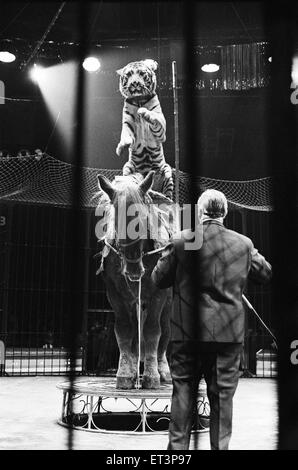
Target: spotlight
(209,58)
(91,64)
(210,68)
(7,57)
(36,73)
(270,59)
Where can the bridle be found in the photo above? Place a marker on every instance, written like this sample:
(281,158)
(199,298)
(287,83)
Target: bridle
(118,251)
(143,254)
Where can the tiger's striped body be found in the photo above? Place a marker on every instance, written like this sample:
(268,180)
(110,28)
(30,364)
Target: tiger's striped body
(144,127)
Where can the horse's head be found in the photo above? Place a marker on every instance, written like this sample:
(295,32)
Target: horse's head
(130,201)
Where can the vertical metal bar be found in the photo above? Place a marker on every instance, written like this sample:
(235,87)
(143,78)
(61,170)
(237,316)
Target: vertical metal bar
(26,315)
(65,393)
(7,244)
(176,129)
(90,411)
(191,137)
(32,343)
(77,220)
(246,372)
(283,151)
(191,100)
(87,254)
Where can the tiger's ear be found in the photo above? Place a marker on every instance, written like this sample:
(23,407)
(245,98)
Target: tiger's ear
(120,71)
(147,182)
(105,186)
(152,64)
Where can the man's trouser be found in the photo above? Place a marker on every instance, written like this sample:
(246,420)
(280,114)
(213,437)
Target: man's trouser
(189,361)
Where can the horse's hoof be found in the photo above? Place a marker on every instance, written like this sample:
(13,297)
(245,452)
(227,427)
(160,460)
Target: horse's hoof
(165,378)
(125,383)
(150,382)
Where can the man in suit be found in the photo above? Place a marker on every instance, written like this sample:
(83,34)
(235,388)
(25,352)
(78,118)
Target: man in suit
(207,322)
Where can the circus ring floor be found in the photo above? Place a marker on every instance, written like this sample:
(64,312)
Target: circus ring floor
(30,408)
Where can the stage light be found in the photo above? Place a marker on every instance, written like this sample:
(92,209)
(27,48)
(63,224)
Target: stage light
(7,57)
(36,73)
(58,87)
(210,68)
(270,59)
(91,64)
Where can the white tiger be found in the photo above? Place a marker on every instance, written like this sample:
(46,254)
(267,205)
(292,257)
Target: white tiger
(143,124)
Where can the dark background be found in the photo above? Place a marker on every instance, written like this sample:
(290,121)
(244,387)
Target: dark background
(232,137)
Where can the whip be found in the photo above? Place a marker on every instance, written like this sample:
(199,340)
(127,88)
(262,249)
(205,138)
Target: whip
(246,301)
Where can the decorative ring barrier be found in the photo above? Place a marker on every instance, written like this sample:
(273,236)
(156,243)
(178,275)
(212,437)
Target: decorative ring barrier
(97,406)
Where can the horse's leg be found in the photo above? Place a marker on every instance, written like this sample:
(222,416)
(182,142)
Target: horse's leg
(126,372)
(151,335)
(163,367)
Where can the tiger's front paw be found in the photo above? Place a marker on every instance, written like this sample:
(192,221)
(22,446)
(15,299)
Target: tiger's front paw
(145,114)
(122,146)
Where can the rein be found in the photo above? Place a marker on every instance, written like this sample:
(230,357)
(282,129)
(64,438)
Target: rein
(147,253)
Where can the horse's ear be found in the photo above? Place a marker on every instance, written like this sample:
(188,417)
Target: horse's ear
(105,186)
(147,182)
(159,198)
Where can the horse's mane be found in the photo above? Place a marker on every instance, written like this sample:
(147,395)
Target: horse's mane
(127,186)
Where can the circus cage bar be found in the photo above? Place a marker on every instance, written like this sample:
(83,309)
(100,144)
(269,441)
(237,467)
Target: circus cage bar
(35,241)
(36,208)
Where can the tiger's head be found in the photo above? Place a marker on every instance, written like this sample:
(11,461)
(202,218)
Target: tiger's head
(138,79)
